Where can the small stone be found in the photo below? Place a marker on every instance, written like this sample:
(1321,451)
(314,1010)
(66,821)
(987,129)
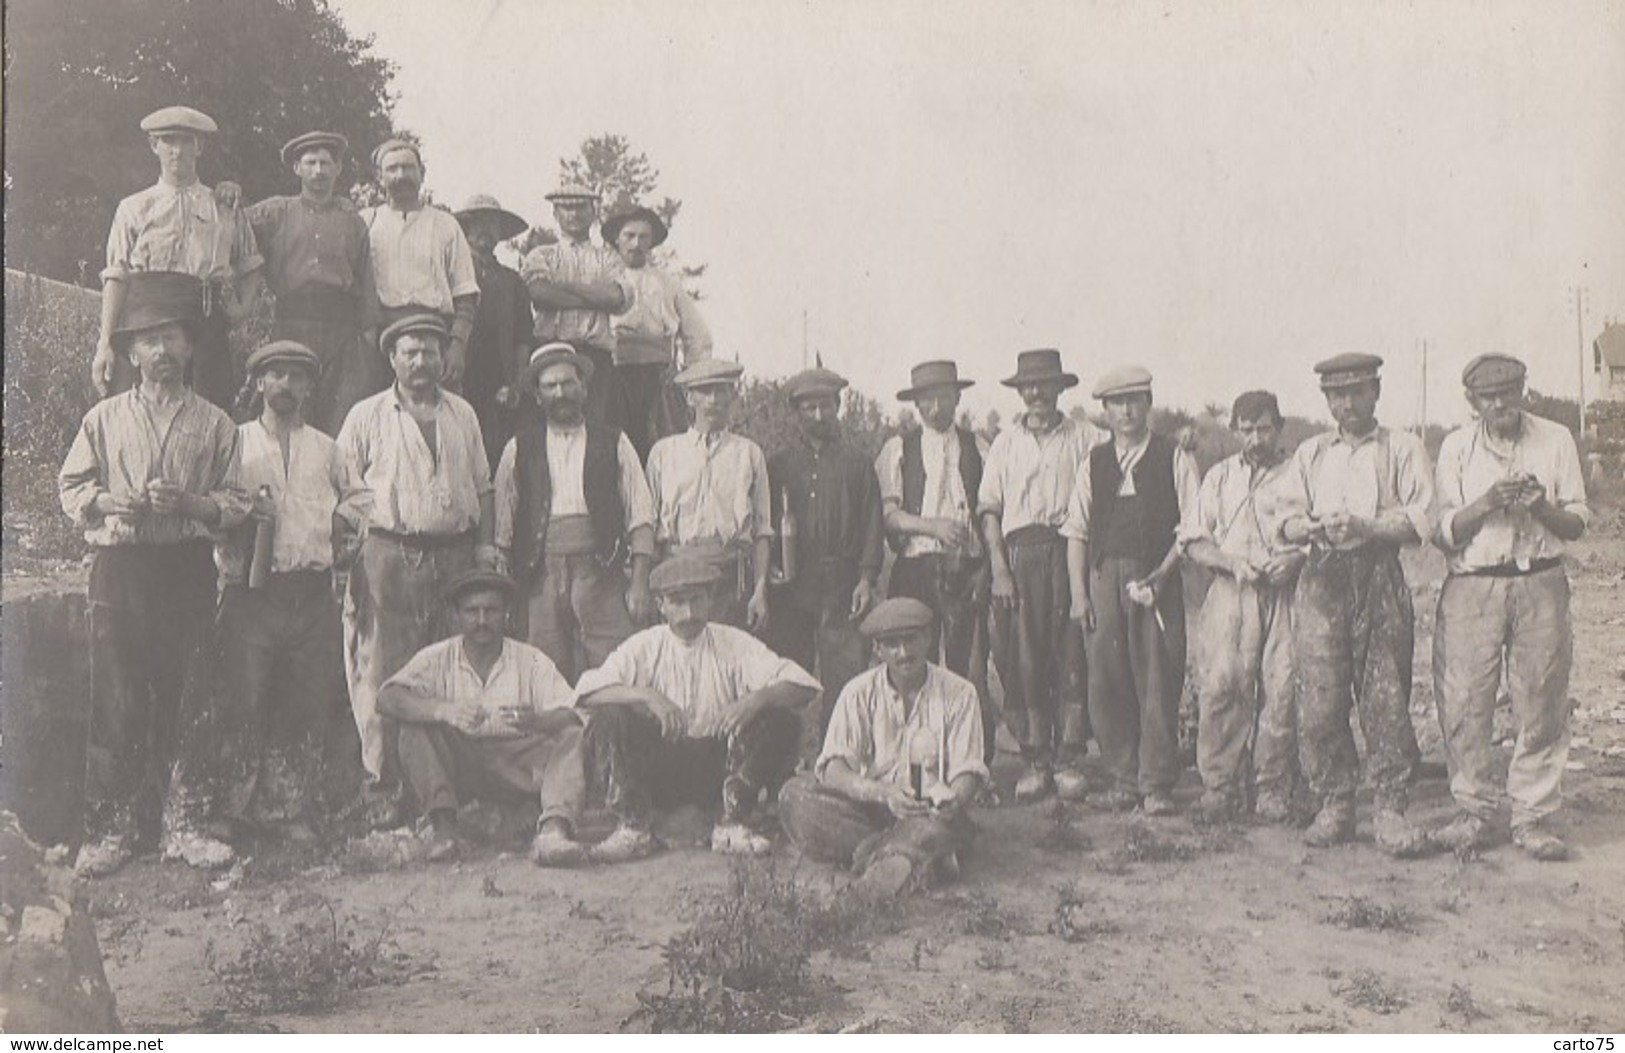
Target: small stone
(1575,765)
(42,925)
(57,855)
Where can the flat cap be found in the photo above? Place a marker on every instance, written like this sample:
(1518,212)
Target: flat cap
(572,192)
(810,382)
(900,614)
(1341,371)
(1123,380)
(412,323)
(683,572)
(295,148)
(178,119)
(709,371)
(478,579)
(285,351)
(1492,371)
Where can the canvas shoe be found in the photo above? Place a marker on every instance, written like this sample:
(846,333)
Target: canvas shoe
(1034,785)
(552,847)
(1398,836)
(623,845)
(1071,784)
(1112,801)
(101,858)
(1158,805)
(739,840)
(198,850)
(1540,843)
(1464,832)
(1332,826)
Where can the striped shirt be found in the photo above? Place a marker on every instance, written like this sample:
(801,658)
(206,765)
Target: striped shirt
(419,258)
(307,490)
(523,677)
(663,326)
(566,462)
(407,487)
(119,450)
(582,264)
(183,229)
(306,243)
(709,489)
(1027,477)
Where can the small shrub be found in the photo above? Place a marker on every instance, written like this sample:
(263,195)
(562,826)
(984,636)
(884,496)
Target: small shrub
(1072,922)
(984,916)
(1062,835)
(1358,912)
(1461,1003)
(1364,989)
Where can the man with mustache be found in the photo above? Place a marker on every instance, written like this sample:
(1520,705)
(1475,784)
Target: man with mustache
(417,452)
(711,495)
(149,479)
(500,341)
(572,511)
(178,226)
(253,742)
(420,259)
(1366,491)
(1511,497)
(1037,647)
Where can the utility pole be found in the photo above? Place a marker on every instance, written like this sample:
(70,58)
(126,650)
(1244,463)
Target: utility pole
(803,338)
(1424,389)
(1580,335)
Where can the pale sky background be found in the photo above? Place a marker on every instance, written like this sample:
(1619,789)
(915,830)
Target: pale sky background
(1223,192)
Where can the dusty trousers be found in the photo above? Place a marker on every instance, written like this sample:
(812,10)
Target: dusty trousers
(1522,622)
(831,828)
(1136,675)
(445,768)
(956,591)
(1039,653)
(1352,641)
(327,321)
(575,612)
(1246,739)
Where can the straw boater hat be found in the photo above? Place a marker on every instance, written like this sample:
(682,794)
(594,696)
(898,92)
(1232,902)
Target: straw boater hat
(707,372)
(1035,367)
(178,119)
(1493,372)
(155,298)
(573,192)
(509,225)
(285,352)
(926,375)
(551,355)
(1348,370)
(412,323)
(1124,380)
(613,225)
(295,148)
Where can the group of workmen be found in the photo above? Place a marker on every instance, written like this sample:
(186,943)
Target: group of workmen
(504,514)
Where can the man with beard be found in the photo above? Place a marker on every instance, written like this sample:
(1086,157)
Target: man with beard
(663,331)
(928,484)
(421,261)
(417,451)
(498,343)
(572,508)
(149,477)
(1511,496)
(711,495)
(576,286)
(177,226)
(1246,737)
(253,740)
(1037,647)
(831,490)
(1366,491)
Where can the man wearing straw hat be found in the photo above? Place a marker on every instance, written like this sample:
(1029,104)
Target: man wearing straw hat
(900,765)
(500,341)
(1037,648)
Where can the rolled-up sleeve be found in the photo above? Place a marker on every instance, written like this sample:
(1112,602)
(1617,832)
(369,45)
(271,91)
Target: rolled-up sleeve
(120,243)
(1413,480)
(889,473)
(761,494)
(636,499)
(1205,525)
(1187,489)
(990,495)
(460,263)
(1076,524)
(548,688)
(80,480)
(847,738)
(692,329)
(964,735)
(507,496)
(1568,491)
(1450,490)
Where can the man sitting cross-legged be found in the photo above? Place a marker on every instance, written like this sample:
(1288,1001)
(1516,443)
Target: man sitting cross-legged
(688,712)
(483,715)
(901,763)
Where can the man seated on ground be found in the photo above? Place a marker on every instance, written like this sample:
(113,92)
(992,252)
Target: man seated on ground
(485,716)
(689,711)
(901,763)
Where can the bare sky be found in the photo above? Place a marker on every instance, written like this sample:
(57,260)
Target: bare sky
(1223,192)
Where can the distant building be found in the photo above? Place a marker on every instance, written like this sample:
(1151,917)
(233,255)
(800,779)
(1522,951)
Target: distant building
(1609,356)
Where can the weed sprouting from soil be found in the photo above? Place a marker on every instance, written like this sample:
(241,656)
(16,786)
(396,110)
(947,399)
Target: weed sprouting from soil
(1364,989)
(985,916)
(1358,912)
(1072,922)
(1461,1003)
(1061,835)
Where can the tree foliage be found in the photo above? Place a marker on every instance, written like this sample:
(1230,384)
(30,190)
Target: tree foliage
(82,73)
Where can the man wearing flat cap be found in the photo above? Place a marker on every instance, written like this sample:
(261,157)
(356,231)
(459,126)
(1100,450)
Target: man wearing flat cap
(1133,497)
(421,261)
(831,490)
(711,495)
(929,478)
(149,511)
(177,226)
(1367,491)
(900,765)
(1246,739)
(1037,648)
(1511,497)
(500,342)
(690,712)
(483,716)
(417,451)
(573,512)
(576,287)
(253,740)
(662,333)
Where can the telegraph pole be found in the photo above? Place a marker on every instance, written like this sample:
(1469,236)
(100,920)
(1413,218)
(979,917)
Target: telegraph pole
(1580,335)
(1424,389)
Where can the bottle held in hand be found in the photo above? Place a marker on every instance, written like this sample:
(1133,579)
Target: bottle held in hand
(259,571)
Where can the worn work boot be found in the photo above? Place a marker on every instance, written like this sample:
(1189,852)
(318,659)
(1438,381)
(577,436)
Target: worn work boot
(1215,808)
(737,839)
(554,847)
(1332,826)
(1272,808)
(1158,804)
(199,850)
(885,878)
(1070,784)
(1398,836)
(439,830)
(1466,831)
(101,858)
(1112,801)
(1540,843)
(625,844)
(1034,785)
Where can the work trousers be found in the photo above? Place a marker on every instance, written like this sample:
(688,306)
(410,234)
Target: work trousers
(630,766)
(151,608)
(956,591)
(1039,652)
(1246,735)
(576,612)
(1522,622)
(654,406)
(393,609)
(606,395)
(1136,675)
(351,370)
(831,828)
(1352,640)
(252,742)
(445,768)
(825,643)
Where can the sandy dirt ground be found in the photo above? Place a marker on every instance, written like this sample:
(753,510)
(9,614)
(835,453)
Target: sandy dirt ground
(1077,922)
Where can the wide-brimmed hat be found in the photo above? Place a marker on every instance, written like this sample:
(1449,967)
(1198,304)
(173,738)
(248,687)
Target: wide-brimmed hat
(509,224)
(285,351)
(295,148)
(612,225)
(1493,372)
(178,119)
(939,374)
(155,298)
(413,323)
(1039,366)
(549,355)
(1348,370)
(572,192)
(478,580)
